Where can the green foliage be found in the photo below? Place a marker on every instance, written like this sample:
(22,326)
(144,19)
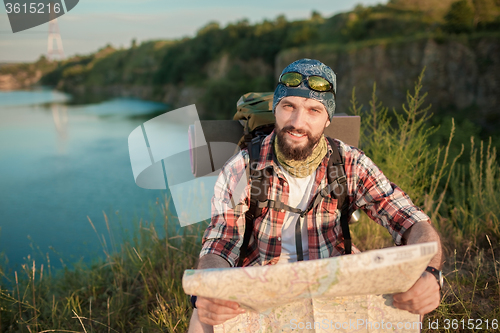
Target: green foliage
(400,150)
(108,66)
(208,27)
(486,14)
(183,62)
(221,95)
(397,143)
(186,61)
(472,209)
(42,64)
(366,23)
(459,18)
(461,200)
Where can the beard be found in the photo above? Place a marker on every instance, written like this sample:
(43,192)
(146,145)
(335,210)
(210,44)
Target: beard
(298,153)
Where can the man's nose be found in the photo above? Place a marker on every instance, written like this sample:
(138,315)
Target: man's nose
(297,119)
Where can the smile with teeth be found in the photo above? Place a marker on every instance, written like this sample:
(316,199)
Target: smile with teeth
(298,135)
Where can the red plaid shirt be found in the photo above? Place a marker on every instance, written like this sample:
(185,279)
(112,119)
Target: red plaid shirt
(368,189)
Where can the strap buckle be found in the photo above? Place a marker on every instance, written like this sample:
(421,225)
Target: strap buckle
(341,180)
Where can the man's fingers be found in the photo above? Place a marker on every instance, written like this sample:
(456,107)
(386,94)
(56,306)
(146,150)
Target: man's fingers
(424,287)
(214,311)
(421,298)
(413,295)
(214,319)
(218,306)
(422,308)
(228,304)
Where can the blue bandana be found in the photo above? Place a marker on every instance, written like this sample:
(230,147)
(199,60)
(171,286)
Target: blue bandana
(308,67)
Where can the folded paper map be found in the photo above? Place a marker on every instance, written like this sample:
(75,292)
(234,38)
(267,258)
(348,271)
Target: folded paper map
(341,294)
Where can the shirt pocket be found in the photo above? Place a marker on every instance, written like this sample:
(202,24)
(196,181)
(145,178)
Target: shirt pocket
(328,215)
(263,224)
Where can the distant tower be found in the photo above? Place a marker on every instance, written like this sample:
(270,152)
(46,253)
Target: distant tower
(54,34)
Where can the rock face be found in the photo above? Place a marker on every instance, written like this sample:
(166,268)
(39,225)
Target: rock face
(19,80)
(458,74)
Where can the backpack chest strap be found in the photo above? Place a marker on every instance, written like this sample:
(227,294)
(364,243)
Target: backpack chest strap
(278,205)
(325,192)
(337,188)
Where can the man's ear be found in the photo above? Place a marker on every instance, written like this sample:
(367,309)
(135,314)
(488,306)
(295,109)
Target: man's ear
(327,123)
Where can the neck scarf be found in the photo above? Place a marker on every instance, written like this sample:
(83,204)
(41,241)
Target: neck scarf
(302,169)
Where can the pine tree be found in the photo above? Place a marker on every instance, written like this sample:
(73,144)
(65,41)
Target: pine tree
(459,18)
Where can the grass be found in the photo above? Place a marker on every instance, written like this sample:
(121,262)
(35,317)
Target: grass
(462,203)
(137,288)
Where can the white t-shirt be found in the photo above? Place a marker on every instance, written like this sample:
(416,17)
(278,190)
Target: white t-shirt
(299,192)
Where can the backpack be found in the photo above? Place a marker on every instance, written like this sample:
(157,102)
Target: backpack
(254,111)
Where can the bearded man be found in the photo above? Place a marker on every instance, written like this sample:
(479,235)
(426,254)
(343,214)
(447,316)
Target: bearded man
(298,154)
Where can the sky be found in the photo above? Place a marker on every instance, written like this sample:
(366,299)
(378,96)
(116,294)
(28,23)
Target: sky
(93,24)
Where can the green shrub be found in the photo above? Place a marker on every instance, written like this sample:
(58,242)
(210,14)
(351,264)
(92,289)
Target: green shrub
(459,18)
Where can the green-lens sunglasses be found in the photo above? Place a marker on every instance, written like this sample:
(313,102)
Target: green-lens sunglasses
(316,83)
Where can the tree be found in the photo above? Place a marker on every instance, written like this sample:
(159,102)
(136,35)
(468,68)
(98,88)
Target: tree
(316,17)
(210,26)
(459,18)
(485,11)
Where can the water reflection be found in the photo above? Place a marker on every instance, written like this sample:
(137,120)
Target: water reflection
(61,164)
(32,97)
(60,117)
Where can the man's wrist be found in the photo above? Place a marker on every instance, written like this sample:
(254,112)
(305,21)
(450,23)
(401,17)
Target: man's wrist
(437,274)
(193,299)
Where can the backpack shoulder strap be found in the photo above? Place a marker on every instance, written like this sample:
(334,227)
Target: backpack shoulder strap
(337,179)
(258,193)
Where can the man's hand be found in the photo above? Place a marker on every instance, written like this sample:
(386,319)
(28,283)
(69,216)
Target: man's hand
(211,311)
(215,311)
(422,298)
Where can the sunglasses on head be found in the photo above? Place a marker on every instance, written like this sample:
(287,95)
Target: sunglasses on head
(316,83)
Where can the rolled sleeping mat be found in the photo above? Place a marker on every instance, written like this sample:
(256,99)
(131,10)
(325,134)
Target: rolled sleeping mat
(213,142)
(344,128)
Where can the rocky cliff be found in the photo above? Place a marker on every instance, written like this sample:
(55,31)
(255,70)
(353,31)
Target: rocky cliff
(459,74)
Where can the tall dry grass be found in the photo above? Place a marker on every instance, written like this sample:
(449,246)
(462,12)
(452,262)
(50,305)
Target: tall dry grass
(137,288)
(462,201)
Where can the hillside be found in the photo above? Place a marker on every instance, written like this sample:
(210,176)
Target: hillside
(460,73)
(458,43)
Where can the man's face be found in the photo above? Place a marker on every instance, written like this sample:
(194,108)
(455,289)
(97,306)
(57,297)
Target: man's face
(299,125)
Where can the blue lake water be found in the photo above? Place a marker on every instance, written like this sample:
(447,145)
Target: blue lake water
(61,164)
